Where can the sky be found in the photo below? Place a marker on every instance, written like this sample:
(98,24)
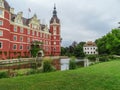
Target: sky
(81,20)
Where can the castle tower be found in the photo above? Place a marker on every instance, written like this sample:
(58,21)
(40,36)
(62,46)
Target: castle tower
(55,34)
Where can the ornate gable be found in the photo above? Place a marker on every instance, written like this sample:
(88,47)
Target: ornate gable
(35,22)
(18,18)
(2,3)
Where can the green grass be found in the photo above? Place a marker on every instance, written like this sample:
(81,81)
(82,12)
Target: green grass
(103,76)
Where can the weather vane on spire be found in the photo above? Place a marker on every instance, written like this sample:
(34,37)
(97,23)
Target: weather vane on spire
(54,6)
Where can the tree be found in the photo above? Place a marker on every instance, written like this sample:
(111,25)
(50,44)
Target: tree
(63,51)
(110,43)
(78,51)
(73,50)
(35,47)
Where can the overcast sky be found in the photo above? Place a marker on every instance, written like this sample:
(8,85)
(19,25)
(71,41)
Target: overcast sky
(81,20)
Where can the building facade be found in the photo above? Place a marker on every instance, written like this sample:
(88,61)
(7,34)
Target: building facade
(17,33)
(90,48)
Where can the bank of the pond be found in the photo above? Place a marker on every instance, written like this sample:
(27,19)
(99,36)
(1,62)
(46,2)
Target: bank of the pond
(102,76)
(22,63)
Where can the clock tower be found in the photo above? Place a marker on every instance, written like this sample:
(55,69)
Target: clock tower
(55,34)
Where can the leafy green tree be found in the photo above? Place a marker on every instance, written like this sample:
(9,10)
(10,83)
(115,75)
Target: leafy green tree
(110,43)
(78,51)
(73,50)
(63,51)
(35,47)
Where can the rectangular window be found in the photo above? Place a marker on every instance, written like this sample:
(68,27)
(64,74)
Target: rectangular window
(1,3)
(28,39)
(28,47)
(15,38)
(54,33)
(15,28)
(1,45)
(54,28)
(1,23)
(21,30)
(21,38)
(14,46)
(37,34)
(28,31)
(1,12)
(1,33)
(41,35)
(32,32)
(21,47)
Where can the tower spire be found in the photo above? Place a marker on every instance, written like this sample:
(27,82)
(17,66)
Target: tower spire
(54,11)
(54,6)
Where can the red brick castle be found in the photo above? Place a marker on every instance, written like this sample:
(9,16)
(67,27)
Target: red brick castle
(17,33)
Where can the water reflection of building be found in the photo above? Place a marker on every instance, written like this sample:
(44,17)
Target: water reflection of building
(90,48)
(17,33)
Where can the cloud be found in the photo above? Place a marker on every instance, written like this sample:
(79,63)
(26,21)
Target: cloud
(81,20)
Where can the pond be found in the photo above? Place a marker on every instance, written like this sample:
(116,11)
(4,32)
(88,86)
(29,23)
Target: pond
(59,64)
(64,63)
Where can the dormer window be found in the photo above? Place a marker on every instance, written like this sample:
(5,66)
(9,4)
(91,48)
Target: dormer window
(1,3)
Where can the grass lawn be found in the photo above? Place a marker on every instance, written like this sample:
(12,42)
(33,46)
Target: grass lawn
(103,76)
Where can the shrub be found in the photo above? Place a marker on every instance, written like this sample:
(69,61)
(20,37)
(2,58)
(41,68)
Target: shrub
(47,65)
(32,71)
(4,75)
(103,58)
(34,65)
(92,58)
(72,63)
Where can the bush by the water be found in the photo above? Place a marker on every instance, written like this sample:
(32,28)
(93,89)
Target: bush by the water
(72,63)
(47,65)
(92,57)
(103,59)
(34,65)
(4,75)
